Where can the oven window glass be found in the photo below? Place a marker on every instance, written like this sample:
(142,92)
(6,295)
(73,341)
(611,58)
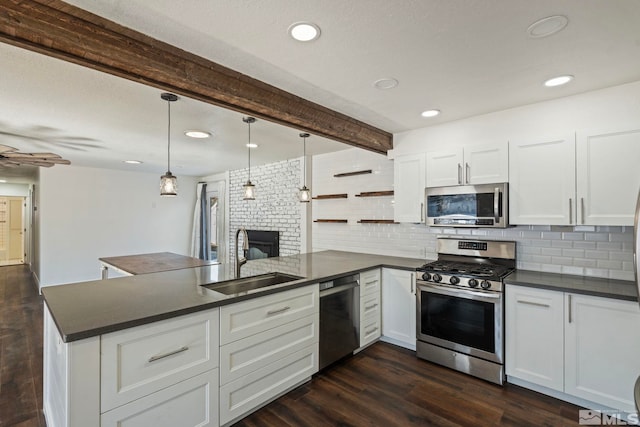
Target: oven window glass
(459,320)
(474,205)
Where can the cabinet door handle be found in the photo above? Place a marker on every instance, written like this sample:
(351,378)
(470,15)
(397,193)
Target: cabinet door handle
(459,173)
(467,172)
(582,208)
(371,306)
(537,304)
(280,310)
(371,331)
(570,211)
(422,212)
(171,353)
(570,308)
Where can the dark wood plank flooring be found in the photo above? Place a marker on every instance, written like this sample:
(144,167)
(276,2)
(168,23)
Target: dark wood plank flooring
(382,386)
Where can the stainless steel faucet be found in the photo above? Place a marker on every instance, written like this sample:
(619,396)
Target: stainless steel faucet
(240,261)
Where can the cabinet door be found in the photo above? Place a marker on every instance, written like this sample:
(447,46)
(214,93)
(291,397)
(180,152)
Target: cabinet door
(399,307)
(534,339)
(608,176)
(486,164)
(602,344)
(408,185)
(542,181)
(445,168)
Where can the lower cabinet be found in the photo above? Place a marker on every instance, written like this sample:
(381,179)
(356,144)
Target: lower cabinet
(370,310)
(399,307)
(583,346)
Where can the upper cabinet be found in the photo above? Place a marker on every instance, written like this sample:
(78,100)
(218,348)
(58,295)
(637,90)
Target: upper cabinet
(608,176)
(591,179)
(469,165)
(408,180)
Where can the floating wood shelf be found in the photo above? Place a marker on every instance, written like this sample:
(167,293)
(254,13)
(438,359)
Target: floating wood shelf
(330,196)
(341,175)
(377,221)
(375,193)
(337,221)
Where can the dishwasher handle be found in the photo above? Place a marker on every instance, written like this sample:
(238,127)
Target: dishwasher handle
(336,289)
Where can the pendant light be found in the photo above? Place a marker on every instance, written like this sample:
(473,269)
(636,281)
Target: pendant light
(304,194)
(168,182)
(249,188)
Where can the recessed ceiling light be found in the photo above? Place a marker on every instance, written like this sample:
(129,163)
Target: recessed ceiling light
(197,134)
(304,31)
(252,145)
(386,83)
(133,162)
(547,26)
(558,81)
(3,180)
(430,113)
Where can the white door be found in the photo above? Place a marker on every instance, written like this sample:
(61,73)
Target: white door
(534,338)
(542,184)
(486,164)
(445,168)
(408,183)
(399,307)
(608,176)
(602,348)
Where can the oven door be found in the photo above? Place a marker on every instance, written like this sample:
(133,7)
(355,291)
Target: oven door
(463,320)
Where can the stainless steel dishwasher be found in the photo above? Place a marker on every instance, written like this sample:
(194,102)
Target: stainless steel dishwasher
(339,318)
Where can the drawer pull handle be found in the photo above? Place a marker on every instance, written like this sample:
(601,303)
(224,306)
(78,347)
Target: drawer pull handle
(533,303)
(371,306)
(373,282)
(371,331)
(280,310)
(171,353)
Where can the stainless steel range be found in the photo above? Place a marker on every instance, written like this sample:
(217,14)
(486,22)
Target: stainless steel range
(461,306)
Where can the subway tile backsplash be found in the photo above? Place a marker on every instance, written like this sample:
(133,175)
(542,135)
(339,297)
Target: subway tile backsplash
(582,250)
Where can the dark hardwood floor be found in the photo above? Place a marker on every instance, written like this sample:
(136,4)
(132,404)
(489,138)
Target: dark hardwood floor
(381,386)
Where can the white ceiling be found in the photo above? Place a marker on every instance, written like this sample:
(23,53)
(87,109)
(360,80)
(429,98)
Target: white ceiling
(464,57)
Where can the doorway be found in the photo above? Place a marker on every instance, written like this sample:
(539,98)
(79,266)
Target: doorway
(216,219)
(12,230)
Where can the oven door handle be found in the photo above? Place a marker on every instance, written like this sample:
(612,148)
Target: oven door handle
(491,295)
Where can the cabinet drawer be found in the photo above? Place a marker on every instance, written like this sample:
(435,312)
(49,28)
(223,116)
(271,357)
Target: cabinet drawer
(249,392)
(250,317)
(370,282)
(190,403)
(369,329)
(257,351)
(139,361)
(370,304)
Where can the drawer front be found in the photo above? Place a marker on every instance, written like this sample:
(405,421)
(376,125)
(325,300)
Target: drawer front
(370,305)
(246,394)
(370,282)
(190,403)
(250,317)
(139,361)
(370,329)
(244,356)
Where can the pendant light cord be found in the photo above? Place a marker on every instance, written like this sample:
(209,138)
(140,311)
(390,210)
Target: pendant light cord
(304,162)
(169,136)
(249,148)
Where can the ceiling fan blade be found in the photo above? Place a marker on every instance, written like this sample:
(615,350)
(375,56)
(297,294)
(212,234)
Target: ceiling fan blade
(6,149)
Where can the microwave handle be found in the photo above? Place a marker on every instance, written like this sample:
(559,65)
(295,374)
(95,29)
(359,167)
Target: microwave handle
(496,205)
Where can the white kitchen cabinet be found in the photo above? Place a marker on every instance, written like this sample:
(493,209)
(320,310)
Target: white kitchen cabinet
(602,344)
(408,185)
(399,307)
(542,181)
(598,351)
(370,309)
(535,338)
(469,165)
(608,178)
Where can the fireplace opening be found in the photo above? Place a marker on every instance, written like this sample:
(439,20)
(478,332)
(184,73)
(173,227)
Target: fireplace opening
(263,244)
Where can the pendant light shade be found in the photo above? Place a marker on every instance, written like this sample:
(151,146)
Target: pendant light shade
(168,181)
(249,190)
(304,194)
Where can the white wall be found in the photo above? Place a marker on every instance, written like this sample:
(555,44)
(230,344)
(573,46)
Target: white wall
(88,213)
(18,190)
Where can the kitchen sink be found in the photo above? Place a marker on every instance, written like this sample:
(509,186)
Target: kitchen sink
(235,286)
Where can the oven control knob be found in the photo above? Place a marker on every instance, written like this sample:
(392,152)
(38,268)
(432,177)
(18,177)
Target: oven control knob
(454,280)
(485,284)
(436,277)
(426,277)
(473,283)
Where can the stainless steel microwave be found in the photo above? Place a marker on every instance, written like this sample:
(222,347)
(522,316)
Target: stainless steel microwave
(477,206)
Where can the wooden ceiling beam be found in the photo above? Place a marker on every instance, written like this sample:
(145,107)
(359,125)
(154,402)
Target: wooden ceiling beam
(63,31)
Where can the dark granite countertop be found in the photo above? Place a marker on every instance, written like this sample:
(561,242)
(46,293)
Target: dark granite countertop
(609,288)
(83,310)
